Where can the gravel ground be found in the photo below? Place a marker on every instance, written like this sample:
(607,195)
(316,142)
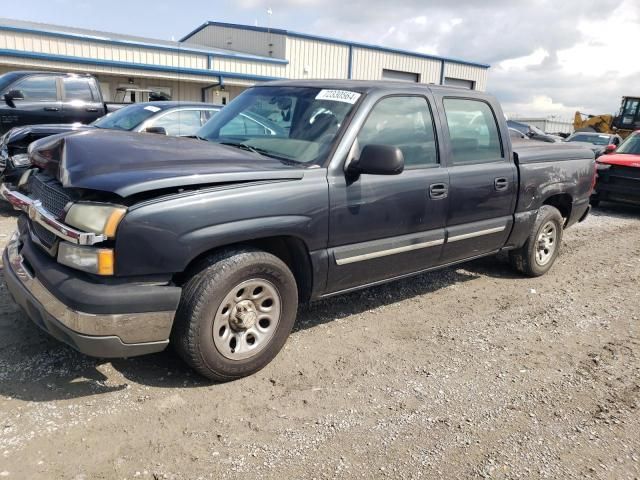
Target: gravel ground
(469,372)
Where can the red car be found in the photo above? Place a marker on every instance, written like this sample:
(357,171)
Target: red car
(618,173)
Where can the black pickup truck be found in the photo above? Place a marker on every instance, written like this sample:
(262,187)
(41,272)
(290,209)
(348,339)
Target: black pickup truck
(31,98)
(129,242)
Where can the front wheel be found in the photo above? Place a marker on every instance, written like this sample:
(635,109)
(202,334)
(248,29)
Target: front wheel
(235,314)
(541,249)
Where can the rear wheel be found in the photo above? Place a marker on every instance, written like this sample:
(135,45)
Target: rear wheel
(541,249)
(235,314)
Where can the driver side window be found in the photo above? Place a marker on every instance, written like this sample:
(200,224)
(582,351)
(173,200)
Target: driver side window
(39,88)
(406,123)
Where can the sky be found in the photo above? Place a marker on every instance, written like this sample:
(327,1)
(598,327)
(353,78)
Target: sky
(547,57)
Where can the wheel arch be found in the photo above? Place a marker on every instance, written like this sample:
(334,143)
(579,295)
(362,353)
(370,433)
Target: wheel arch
(563,202)
(291,249)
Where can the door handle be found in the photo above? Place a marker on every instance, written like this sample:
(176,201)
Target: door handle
(501,184)
(438,191)
(51,109)
(91,109)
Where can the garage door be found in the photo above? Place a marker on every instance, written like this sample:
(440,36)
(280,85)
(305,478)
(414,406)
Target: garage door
(460,83)
(401,76)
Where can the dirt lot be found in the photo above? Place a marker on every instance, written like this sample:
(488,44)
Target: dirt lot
(470,372)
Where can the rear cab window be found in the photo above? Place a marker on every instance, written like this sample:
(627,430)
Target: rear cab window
(473,131)
(78,89)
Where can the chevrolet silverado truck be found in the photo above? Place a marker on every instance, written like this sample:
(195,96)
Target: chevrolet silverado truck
(129,242)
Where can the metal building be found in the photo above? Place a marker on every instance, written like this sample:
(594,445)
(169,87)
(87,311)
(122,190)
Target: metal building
(217,61)
(548,124)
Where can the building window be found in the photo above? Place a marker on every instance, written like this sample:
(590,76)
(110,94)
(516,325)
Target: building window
(460,83)
(400,76)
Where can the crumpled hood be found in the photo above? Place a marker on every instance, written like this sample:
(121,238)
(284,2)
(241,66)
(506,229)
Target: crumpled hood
(18,138)
(129,163)
(623,159)
(45,129)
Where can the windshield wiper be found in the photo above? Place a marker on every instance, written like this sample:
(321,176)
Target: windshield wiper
(259,151)
(244,146)
(197,137)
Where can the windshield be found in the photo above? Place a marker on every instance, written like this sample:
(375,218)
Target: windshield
(593,139)
(290,123)
(630,145)
(126,118)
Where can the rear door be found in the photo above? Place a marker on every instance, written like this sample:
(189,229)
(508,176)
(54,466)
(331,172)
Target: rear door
(81,103)
(385,226)
(41,102)
(483,179)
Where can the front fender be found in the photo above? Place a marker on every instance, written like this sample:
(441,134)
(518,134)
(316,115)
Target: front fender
(164,236)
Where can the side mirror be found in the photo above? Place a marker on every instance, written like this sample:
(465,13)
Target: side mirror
(158,130)
(378,160)
(12,95)
(610,148)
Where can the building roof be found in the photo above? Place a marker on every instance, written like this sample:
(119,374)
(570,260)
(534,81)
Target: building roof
(349,43)
(8,24)
(368,86)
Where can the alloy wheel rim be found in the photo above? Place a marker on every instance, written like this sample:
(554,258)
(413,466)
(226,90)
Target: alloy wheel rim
(247,319)
(546,244)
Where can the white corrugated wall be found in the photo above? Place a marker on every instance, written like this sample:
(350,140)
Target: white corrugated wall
(368,65)
(52,45)
(320,59)
(246,41)
(467,72)
(223,64)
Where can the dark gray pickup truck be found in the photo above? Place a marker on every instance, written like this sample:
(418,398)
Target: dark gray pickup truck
(33,98)
(129,242)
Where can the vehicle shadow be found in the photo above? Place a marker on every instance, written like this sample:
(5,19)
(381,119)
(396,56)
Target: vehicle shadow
(621,210)
(7,211)
(36,368)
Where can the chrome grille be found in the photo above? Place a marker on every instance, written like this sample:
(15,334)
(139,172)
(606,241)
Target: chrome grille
(50,192)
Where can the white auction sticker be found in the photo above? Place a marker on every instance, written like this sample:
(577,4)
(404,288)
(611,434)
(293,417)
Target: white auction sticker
(338,96)
(152,108)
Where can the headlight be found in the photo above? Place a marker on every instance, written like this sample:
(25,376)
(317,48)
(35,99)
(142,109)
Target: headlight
(21,160)
(96,218)
(602,166)
(90,259)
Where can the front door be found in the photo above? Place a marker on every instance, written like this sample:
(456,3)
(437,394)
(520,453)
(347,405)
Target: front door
(483,181)
(384,226)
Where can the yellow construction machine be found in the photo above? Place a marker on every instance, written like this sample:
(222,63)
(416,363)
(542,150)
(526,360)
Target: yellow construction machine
(627,120)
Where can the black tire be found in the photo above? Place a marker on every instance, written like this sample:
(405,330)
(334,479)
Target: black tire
(202,297)
(594,200)
(524,259)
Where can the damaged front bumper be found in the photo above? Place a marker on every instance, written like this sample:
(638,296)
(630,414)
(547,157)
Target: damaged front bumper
(37,284)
